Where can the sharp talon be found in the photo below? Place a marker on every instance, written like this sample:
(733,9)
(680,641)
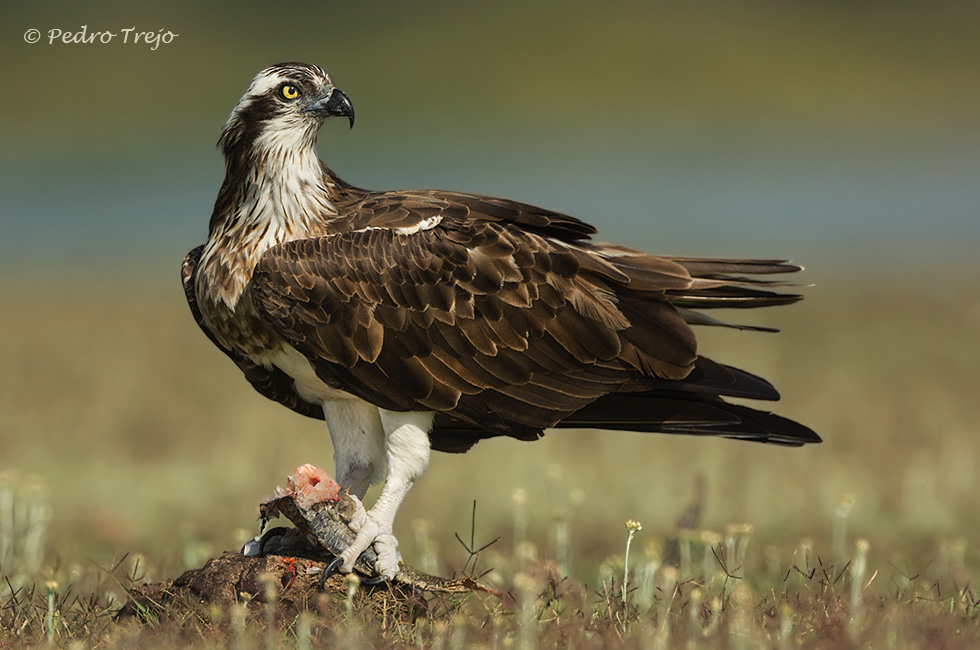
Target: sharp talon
(329,569)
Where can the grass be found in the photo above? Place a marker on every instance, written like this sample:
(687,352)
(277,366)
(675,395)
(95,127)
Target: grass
(133,451)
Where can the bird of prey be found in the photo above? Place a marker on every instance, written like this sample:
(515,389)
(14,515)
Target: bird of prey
(420,320)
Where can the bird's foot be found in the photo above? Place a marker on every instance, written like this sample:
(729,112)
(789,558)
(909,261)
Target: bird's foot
(372,528)
(360,514)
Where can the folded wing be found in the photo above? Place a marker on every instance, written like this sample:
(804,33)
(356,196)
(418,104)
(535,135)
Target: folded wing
(506,320)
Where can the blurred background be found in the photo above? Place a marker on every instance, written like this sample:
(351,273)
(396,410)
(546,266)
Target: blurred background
(843,135)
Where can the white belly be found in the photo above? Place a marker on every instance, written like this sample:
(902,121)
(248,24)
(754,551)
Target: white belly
(308,385)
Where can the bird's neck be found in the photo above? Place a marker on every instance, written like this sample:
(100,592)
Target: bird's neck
(274,191)
(266,199)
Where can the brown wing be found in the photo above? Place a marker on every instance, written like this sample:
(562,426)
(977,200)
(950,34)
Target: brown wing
(495,313)
(500,316)
(270,382)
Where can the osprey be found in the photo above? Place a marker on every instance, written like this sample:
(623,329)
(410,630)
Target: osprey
(420,320)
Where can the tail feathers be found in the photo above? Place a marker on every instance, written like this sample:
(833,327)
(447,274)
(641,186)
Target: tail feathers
(704,267)
(712,379)
(692,317)
(733,296)
(724,284)
(687,414)
(670,412)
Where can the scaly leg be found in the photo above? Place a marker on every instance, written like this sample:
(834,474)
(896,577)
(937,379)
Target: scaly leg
(407,451)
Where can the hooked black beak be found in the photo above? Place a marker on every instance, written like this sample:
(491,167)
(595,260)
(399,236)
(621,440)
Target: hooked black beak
(335,104)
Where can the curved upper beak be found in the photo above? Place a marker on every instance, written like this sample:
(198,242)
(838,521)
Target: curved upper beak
(336,104)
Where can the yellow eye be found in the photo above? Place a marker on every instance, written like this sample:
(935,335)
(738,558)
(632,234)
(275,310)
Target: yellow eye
(289,92)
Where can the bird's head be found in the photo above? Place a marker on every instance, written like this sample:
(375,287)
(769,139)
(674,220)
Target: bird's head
(282,111)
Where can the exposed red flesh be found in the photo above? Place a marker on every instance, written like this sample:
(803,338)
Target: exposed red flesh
(309,485)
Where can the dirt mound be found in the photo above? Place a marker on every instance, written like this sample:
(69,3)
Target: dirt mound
(291,582)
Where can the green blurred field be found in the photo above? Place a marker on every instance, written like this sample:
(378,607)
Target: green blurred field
(148,441)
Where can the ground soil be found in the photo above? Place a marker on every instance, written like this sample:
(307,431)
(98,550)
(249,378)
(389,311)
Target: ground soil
(292,582)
